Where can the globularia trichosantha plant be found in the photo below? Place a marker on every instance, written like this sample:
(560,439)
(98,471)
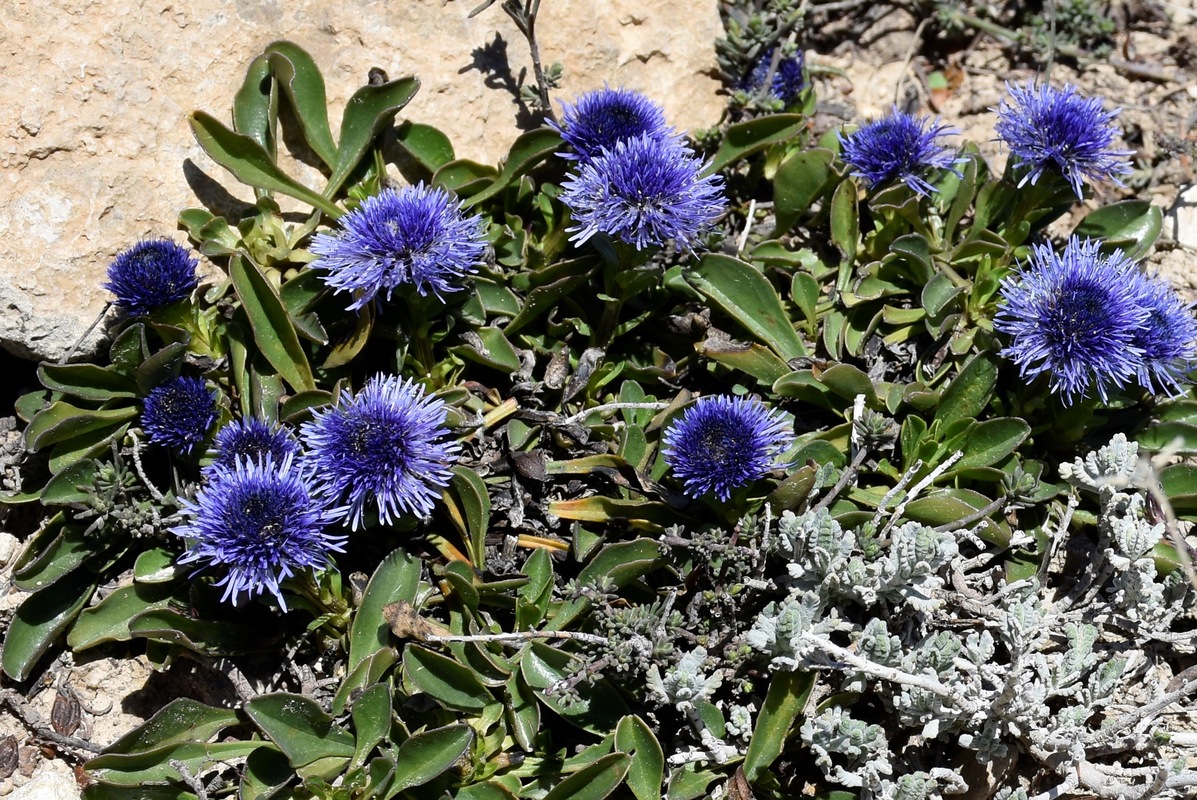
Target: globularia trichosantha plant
(788,460)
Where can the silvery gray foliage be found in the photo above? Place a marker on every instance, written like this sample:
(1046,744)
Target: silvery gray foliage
(1062,667)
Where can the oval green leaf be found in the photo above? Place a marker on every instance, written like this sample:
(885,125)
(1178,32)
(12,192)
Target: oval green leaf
(429,754)
(251,164)
(367,113)
(272,327)
(747,296)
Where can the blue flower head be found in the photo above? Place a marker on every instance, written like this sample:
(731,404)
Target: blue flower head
(417,235)
(1168,338)
(151,274)
(1046,127)
(179,413)
(597,120)
(722,442)
(261,522)
(787,80)
(644,191)
(388,444)
(899,147)
(251,439)
(1075,317)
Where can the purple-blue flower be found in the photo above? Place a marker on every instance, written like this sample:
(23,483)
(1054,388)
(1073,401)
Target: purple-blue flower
(387,444)
(644,191)
(1075,317)
(597,120)
(417,235)
(1045,127)
(787,80)
(899,147)
(1168,338)
(151,274)
(251,439)
(179,413)
(721,443)
(261,521)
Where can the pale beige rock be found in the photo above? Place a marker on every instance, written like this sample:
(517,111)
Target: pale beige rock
(93,130)
(54,780)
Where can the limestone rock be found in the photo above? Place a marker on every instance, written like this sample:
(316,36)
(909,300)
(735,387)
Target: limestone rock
(93,122)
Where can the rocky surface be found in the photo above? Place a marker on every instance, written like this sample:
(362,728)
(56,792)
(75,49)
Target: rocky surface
(95,149)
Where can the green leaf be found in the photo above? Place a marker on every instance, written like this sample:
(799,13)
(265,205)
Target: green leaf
(526,152)
(523,712)
(265,776)
(689,782)
(250,163)
(62,421)
(751,359)
(109,620)
(749,298)
(464,177)
(597,508)
(490,790)
(647,770)
(445,680)
(990,441)
(848,381)
(303,84)
(799,181)
(368,672)
(40,619)
(787,695)
(367,113)
(594,782)
(492,350)
(599,707)
(397,578)
(845,228)
(139,769)
(429,754)
(63,489)
(548,296)
(621,563)
(745,138)
(273,330)
(201,636)
(371,721)
(254,112)
(969,392)
(805,292)
(160,367)
(89,381)
(946,506)
(300,728)
(467,487)
(179,721)
(427,146)
(1131,226)
(50,564)
(1179,482)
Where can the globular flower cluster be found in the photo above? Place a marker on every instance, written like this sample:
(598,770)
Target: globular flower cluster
(721,443)
(1045,127)
(260,520)
(1094,322)
(387,445)
(150,275)
(415,236)
(899,147)
(251,439)
(179,413)
(636,181)
(786,81)
(597,120)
